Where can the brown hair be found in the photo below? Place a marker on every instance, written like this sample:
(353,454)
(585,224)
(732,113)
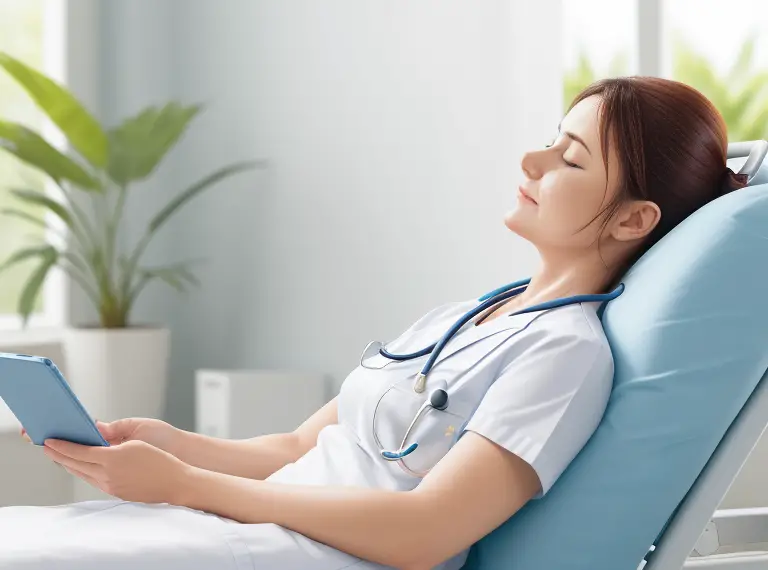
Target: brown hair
(671,144)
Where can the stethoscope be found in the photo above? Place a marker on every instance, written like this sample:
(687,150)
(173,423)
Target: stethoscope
(438,397)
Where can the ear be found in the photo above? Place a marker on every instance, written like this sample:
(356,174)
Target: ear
(635,220)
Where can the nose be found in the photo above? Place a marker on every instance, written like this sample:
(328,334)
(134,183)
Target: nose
(534,164)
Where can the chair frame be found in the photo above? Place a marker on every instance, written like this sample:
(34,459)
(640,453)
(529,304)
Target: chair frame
(696,531)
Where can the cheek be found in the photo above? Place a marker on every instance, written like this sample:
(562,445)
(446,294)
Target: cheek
(575,200)
(560,217)
(567,210)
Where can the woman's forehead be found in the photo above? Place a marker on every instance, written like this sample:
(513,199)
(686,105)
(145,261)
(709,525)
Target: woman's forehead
(583,117)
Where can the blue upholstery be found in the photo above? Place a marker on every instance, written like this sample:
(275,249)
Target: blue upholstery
(690,342)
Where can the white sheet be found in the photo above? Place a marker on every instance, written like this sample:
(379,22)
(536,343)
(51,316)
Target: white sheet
(117,535)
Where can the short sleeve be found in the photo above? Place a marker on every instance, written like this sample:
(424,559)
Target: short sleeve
(548,401)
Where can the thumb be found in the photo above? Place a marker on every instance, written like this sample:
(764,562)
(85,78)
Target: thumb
(104,428)
(117,430)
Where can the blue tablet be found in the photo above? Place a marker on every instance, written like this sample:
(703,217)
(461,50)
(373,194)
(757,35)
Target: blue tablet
(41,399)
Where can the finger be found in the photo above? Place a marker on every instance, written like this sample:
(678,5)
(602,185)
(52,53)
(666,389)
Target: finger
(87,453)
(90,469)
(88,479)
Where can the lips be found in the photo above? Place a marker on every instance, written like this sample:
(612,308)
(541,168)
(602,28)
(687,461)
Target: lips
(525,196)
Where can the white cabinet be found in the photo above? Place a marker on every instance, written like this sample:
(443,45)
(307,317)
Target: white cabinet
(238,404)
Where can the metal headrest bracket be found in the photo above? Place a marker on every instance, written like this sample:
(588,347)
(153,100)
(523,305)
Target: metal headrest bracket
(755,152)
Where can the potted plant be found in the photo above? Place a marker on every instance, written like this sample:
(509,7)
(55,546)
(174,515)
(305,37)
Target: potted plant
(118,369)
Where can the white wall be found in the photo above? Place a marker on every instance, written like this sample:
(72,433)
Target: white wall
(394,132)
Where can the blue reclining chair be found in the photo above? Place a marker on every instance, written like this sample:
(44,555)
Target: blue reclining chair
(690,342)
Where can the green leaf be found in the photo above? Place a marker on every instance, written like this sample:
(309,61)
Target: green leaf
(31,148)
(756,129)
(753,94)
(40,199)
(743,61)
(188,276)
(741,96)
(34,283)
(196,189)
(75,261)
(177,276)
(170,278)
(65,111)
(14,213)
(139,144)
(24,254)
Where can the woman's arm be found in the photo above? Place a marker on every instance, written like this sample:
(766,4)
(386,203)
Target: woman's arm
(474,488)
(255,458)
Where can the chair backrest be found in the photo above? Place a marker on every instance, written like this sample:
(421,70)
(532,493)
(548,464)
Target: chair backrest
(693,514)
(690,344)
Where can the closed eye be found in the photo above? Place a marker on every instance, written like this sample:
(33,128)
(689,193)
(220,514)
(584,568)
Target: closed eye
(569,164)
(572,165)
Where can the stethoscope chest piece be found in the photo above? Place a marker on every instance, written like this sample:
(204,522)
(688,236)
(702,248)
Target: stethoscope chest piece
(437,399)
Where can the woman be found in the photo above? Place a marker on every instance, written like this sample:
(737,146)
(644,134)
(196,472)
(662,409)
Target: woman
(632,158)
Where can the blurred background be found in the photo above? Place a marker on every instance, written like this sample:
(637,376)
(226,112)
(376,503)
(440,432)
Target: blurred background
(387,138)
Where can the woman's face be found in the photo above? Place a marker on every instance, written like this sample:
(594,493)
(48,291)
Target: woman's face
(566,185)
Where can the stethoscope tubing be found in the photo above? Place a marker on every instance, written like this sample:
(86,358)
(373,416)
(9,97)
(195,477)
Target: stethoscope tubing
(486,301)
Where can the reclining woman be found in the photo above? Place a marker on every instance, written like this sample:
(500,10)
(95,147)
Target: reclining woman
(361,484)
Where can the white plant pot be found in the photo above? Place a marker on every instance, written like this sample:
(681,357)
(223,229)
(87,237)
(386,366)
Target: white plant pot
(116,373)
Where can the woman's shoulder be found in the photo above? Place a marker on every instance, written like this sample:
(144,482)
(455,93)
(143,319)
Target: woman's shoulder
(575,328)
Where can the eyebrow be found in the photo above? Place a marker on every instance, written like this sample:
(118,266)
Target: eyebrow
(577,138)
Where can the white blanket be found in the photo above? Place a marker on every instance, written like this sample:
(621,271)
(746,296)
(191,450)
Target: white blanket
(118,535)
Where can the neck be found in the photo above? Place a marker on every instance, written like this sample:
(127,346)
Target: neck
(565,276)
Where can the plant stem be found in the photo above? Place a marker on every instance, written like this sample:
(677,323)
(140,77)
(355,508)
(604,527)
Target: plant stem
(112,226)
(132,263)
(71,270)
(84,238)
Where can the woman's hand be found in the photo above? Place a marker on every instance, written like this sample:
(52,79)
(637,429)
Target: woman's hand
(132,471)
(155,432)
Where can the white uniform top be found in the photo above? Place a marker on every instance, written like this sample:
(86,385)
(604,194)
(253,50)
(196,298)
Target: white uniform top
(536,384)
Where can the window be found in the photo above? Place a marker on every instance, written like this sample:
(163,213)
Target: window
(31,31)
(722,51)
(598,42)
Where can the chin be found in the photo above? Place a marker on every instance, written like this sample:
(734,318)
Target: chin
(514,223)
